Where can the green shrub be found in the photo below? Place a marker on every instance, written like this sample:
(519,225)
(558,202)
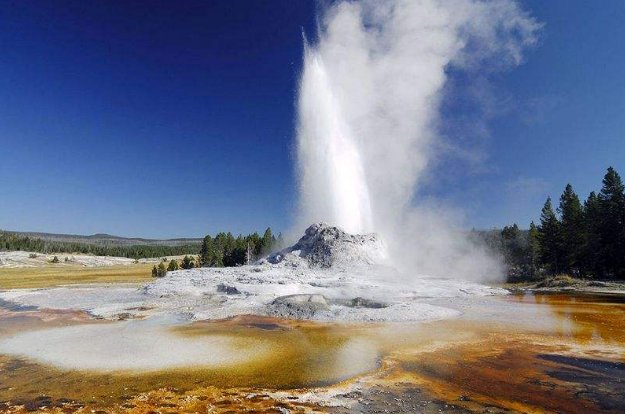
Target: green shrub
(159,271)
(173,266)
(188,262)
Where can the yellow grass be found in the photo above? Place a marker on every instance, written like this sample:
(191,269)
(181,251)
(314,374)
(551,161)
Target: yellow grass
(57,275)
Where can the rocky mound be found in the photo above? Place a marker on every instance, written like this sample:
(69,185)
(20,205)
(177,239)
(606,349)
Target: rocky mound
(324,246)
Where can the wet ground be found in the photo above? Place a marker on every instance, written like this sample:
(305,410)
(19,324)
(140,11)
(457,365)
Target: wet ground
(548,353)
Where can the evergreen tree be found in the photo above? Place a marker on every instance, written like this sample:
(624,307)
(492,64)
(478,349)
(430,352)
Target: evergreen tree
(533,251)
(239,253)
(160,270)
(572,232)
(511,241)
(229,250)
(267,242)
(173,265)
(612,201)
(513,246)
(187,262)
(256,243)
(207,253)
(220,242)
(549,237)
(591,249)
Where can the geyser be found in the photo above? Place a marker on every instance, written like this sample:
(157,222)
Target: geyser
(335,184)
(368,111)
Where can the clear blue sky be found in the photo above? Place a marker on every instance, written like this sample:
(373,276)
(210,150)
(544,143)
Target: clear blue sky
(175,118)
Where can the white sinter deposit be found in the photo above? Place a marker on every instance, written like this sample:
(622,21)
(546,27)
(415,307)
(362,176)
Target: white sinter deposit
(327,275)
(31,259)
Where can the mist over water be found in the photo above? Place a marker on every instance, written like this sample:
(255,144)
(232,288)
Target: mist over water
(369,118)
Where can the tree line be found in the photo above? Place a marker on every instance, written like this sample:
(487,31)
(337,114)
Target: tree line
(11,241)
(580,239)
(223,250)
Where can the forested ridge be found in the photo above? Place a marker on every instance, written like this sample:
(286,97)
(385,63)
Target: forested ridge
(12,241)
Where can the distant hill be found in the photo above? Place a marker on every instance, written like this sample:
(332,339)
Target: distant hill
(106,240)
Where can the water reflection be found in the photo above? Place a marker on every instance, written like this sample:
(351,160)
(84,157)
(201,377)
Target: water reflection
(587,318)
(533,353)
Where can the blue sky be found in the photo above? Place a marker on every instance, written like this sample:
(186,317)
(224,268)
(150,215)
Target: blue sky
(561,118)
(167,119)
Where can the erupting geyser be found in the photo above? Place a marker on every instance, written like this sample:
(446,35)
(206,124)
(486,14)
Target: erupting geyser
(335,184)
(368,111)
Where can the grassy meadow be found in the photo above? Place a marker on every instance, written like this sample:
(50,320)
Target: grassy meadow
(56,275)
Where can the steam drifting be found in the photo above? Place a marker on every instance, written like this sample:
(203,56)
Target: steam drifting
(368,111)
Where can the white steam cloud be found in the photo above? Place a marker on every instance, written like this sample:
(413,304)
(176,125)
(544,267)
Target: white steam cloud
(369,111)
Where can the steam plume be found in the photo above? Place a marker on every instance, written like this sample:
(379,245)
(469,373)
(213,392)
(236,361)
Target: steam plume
(369,105)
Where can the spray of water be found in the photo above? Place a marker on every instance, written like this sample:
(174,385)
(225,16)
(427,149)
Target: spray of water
(369,116)
(336,186)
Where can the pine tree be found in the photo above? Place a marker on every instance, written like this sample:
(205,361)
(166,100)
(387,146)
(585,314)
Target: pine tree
(612,201)
(591,249)
(256,244)
(173,265)
(267,242)
(513,249)
(161,271)
(187,262)
(230,245)
(533,250)
(220,241)
(239,254)
(549,237)
(207,253)
(572,232)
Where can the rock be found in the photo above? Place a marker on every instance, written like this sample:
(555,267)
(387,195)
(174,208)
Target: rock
(360,303)
(228,290)
(299,306)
